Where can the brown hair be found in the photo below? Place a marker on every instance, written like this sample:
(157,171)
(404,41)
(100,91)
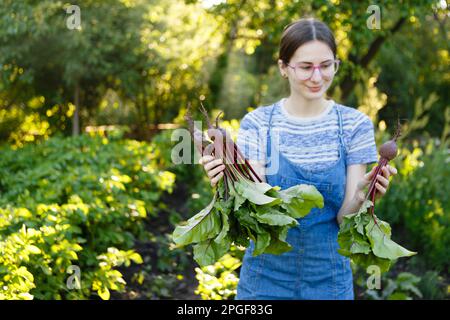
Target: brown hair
(301,31)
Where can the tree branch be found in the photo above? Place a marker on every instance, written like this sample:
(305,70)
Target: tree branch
(349,83)
(442,27)
(376,44)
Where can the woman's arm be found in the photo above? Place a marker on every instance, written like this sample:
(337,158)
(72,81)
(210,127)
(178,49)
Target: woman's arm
(352,201)
(357,180)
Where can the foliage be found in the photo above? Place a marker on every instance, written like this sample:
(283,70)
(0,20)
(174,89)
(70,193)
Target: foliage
(418,204)
(55,63)
(257,32)
(74,201)
(432,286)
(423,71)
(60,65)
(182,50)
(254,210)
(404,287)
(218,281)
(19,127)
(367,240)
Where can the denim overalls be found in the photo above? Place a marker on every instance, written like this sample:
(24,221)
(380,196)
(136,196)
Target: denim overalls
(313,269)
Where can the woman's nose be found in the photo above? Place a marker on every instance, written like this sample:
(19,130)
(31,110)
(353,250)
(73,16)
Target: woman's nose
(316,76)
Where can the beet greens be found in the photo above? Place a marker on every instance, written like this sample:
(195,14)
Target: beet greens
(388,151)
(364,238)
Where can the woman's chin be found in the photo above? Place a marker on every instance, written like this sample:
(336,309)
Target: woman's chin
(313,95)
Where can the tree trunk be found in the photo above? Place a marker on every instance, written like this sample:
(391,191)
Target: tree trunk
(218,75)
(145,103)
(76,114)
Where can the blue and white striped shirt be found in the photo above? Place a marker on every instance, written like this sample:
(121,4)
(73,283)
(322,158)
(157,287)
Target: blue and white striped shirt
(311,142)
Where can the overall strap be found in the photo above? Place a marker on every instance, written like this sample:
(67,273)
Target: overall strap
(341,127)
(269,140)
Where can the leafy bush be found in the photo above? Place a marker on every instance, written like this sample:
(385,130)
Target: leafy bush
(218,281)
(191,178)
(404,287)
(74,202)
(418,203)
(433,286)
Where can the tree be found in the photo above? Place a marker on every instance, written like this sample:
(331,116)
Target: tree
(68,65)
(259,25)
(151,53)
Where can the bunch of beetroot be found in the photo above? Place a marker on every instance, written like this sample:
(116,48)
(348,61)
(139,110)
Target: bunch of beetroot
(243,207)
(362,236)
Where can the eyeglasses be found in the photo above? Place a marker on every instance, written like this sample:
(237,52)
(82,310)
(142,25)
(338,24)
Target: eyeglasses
(304,71)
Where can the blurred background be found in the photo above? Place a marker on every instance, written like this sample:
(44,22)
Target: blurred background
(91,91)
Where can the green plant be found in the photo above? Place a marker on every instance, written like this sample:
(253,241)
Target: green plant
(161,285)
(363,237)
(404,287)
(74,203)
(170,258)
(420,213)
(432,286)
(218,281)
(367,240)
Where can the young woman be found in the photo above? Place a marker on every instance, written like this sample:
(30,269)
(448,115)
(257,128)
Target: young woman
(307,139)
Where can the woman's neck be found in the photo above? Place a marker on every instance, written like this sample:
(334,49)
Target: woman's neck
(298,106)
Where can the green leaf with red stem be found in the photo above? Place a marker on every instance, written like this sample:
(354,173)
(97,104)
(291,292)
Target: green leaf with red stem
(204,225)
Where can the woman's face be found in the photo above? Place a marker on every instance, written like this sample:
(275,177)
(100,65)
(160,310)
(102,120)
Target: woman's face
(312,53)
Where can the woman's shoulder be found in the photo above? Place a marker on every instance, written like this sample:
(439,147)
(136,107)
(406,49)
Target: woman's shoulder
(350,111)
(258,116)
(353,116)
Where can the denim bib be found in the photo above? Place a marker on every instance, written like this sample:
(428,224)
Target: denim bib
(313,269)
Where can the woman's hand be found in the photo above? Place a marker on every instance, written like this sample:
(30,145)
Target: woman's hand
(381,185)
(357,181)
(213,167)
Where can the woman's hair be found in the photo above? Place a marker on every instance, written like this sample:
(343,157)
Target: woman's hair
(301,31)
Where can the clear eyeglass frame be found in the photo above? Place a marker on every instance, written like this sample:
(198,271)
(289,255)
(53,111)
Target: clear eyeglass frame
(326,72)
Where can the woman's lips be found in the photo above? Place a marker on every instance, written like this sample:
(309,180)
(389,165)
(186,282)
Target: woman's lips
(314,89)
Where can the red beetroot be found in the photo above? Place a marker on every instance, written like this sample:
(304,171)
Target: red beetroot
(388,151)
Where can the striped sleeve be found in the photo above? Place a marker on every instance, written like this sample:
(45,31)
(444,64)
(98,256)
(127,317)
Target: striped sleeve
(362,148)
(250,138)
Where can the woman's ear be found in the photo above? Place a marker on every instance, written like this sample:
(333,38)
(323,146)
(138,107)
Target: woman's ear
(283,69)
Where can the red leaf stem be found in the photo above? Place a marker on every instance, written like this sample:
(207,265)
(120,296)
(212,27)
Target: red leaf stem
(247,163)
